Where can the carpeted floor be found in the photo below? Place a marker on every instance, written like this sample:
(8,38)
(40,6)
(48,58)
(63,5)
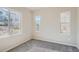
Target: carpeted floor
(43,46)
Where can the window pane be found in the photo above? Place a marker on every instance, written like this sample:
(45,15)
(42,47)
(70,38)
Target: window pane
(65,17)
(65,22)
(15,23)
(65,28)
(4,17)
(37,20)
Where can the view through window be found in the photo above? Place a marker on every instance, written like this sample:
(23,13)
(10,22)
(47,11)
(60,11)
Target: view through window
(9,22)
(37,20)
(65,22)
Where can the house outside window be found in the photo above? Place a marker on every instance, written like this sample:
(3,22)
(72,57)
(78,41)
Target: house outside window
(9,22)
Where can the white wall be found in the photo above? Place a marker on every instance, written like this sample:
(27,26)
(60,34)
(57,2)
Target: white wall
(50,26)
(7,43)
(78,27)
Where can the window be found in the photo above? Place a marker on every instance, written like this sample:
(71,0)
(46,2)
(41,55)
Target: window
(65,22)
(9,22)
(37,21)
(4,18)
(14,23)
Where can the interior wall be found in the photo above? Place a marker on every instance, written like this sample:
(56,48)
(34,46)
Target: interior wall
(78,27)
(50,26)
(9,42)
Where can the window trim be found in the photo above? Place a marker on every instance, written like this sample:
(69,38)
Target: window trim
(36,24)
(9,34)
(13,11)
(65,23)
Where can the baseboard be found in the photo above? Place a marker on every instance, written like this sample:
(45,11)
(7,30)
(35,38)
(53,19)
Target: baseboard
(45,39)
(77,47)
(28,38)
(17,44)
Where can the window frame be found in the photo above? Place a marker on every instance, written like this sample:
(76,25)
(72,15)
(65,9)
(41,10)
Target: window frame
(65,22)
(16,12)
(36,27)
(20,25)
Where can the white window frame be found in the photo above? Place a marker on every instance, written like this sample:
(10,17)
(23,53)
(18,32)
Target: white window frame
(12,10)
(36,28)
(61,22)
(16,12)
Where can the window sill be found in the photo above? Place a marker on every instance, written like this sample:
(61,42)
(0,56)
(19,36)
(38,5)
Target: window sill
(8,36)
(37,31)
(5,36)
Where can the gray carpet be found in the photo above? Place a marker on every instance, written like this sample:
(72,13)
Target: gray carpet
(43,46)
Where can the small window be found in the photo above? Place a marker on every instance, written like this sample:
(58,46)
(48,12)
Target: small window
(37,22)
(65,22)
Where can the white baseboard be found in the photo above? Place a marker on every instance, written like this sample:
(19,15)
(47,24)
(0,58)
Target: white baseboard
(45,39)
(39,38)
(77,46)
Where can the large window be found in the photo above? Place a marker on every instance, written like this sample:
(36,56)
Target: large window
(37,22)
(9,22)
(66,22)
(15,22)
